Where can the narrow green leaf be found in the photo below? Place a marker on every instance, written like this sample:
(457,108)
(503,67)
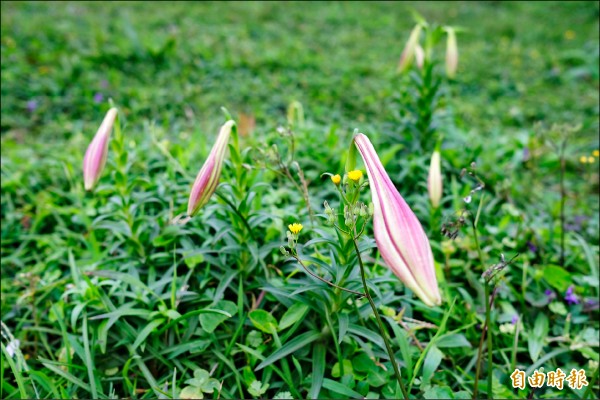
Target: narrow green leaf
(51,365)
(318,370)
(120,276)
(89,363)
(343,322)
(298,342)
(16,373)
(338,388)
(145,332)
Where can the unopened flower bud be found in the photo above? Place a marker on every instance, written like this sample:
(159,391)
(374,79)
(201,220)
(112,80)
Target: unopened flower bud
(328,209)
(95,156)
(207,179)
(363,210)
(451,54)
(434,179)
(331,219)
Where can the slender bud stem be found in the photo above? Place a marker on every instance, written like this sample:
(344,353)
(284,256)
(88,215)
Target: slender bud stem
(379,322)
(488,307)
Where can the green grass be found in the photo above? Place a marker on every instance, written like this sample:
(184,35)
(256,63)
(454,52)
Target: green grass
(109,299)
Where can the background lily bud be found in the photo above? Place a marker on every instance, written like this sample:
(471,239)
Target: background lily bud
(434,180)
(409,49)
(208,178)
(451,53)
(398,233)
(419,56)
(96,153)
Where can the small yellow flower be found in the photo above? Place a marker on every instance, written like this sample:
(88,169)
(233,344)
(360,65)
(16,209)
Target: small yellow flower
(355,175)
(596,153)
(583,159)
(591,160)
(336,179)
(295,228)
(570,35)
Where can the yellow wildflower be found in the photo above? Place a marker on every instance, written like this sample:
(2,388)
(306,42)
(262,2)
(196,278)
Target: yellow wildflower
(295,228)
(583,159)
(596,153)
(591,160)
(355,175)
(336,179)
(570,35)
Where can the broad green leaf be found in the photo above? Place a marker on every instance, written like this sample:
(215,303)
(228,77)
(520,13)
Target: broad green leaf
(536,337)
(295,313)
(257,388)
(557,277)
(438,392)
(210,321)
(191,392)
(336,370)
(453,340)
(431,363)
(263,320)
(377,378)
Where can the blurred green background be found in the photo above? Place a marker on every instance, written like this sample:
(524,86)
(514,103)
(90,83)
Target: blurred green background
(520,62)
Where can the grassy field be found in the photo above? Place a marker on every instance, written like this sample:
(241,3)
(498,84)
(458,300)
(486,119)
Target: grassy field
(104,296)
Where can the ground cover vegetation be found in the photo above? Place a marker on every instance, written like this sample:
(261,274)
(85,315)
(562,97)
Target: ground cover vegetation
(146,279)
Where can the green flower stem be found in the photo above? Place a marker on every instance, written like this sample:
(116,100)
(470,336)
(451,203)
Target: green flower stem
(234,208)
(488,333)
(379,322)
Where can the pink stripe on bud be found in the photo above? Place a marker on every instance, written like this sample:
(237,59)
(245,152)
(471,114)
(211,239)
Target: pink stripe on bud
(96,153)
(398,233)
(208,178)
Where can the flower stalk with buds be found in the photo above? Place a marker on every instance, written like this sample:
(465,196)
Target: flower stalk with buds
(409,49)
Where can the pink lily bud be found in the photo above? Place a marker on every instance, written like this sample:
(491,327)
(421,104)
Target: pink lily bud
(434,180)
(451,53)
(96,153)
(398,233)
(419,56)
(409,49)
(208,178)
